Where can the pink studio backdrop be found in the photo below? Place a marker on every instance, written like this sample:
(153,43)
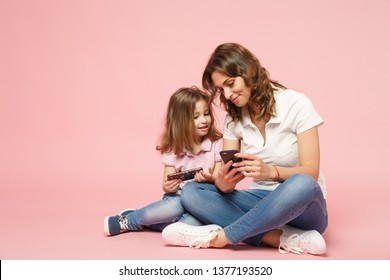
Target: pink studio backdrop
(84,86)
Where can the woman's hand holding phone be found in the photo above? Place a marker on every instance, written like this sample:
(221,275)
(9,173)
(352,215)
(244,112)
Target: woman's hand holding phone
(254,167)
(228,175)
(230,155)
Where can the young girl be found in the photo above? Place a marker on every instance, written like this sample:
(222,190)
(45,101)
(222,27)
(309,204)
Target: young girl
(190,140)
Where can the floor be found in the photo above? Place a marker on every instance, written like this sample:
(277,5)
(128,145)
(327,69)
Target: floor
(67,223)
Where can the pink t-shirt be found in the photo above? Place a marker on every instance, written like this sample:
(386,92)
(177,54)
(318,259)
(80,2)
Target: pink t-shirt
(205,158)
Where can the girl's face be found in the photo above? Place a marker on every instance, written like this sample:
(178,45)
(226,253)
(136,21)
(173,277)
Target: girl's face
(202,119)
(233,88)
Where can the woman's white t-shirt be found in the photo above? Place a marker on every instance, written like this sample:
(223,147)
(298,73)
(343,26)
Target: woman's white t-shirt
(294,114)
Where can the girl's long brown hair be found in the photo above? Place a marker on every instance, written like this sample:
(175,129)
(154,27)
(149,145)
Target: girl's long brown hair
(179,128)
(235,60)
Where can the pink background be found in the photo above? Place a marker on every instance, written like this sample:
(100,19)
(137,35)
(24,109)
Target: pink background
(84,86)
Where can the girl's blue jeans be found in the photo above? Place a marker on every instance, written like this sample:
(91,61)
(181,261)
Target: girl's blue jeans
(159,214)
(246,215)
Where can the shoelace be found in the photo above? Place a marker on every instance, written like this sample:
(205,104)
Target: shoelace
(293,243)
(123,223)
(196,240)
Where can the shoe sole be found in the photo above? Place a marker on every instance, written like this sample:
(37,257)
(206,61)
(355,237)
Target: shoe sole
(106,229)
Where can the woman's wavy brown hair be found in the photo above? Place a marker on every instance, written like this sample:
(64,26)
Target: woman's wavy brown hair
(179,128)
(234,60)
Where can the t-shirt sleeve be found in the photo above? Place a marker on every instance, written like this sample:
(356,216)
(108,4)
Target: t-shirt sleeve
(305,115)
(168,159)
(217,149)
(230,131)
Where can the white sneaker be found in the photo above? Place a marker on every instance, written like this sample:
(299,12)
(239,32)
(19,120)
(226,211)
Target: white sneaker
(181,234)
(300,241)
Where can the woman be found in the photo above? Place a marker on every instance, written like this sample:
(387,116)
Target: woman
(276,128)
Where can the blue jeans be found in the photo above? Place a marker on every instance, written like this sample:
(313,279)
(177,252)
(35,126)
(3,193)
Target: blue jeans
(246,215)
(159,214)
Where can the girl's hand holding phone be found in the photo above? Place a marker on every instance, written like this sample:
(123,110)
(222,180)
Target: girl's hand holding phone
(204,176)
(171,186)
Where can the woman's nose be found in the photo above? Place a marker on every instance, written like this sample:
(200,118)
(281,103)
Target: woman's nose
(227,92)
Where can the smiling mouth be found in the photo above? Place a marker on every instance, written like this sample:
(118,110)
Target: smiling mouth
(235,99)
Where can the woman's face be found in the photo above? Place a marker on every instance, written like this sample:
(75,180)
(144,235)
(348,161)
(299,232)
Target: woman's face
(233,88)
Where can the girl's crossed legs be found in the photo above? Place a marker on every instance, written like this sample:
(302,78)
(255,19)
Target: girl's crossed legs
(156,216)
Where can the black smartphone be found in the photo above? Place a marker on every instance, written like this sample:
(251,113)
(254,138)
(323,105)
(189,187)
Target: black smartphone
(184,175)
(228,155)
